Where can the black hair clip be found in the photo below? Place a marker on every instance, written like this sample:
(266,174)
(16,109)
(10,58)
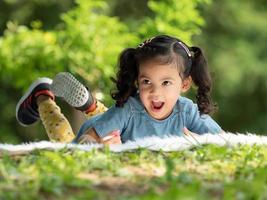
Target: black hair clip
(186,49)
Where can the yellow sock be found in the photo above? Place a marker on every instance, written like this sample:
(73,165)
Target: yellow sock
(56,124)
(100,108)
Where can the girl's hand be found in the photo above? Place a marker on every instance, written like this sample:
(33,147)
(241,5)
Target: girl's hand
(189,133)
(192,135)
(112,138)
(91,136)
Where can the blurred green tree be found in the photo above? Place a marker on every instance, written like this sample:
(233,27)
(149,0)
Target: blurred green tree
(24,12)
(234,39)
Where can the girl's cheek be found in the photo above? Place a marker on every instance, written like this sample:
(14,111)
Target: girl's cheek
(143,90)
(142,97)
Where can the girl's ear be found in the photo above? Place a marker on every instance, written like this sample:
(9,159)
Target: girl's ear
(186,84)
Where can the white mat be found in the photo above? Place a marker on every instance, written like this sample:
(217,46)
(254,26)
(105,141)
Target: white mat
(171,143)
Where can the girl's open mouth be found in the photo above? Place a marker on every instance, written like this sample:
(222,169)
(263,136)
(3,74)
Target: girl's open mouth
(157,105)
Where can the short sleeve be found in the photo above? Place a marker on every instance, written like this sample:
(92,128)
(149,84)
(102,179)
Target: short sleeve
(200,123)
(115,118)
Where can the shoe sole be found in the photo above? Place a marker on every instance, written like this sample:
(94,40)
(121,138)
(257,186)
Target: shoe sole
(66,86)
(28,92)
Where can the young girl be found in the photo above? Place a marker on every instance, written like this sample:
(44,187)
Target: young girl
(150,81)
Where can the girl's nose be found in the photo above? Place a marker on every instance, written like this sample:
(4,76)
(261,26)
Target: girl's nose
(155,90)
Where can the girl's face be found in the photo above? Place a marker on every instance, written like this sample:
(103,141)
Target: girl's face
(160,86)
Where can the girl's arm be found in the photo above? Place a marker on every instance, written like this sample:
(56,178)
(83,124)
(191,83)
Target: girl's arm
(197,123)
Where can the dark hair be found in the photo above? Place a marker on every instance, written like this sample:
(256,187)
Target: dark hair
(165,49)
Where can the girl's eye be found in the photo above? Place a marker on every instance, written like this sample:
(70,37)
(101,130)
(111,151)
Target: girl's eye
(146,82)
(165,83)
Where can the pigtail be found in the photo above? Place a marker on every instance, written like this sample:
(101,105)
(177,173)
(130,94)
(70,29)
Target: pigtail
(202,79)
(126,76)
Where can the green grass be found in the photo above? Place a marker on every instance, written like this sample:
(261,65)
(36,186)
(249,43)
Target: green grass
(208,172)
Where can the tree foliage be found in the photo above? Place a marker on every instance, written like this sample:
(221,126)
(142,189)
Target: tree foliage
(24,12)
(234,39)
(178,18)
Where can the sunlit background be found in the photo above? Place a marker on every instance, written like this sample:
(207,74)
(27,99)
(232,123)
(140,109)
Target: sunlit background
(43,37)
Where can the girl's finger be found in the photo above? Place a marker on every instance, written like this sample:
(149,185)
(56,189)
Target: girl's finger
(113,140)
(111,135)
(186,131)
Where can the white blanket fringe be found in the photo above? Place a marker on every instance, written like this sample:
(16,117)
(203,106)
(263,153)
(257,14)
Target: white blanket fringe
(170,143)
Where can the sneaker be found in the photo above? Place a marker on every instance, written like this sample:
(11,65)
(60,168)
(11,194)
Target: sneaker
(27,109)
(66,86)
